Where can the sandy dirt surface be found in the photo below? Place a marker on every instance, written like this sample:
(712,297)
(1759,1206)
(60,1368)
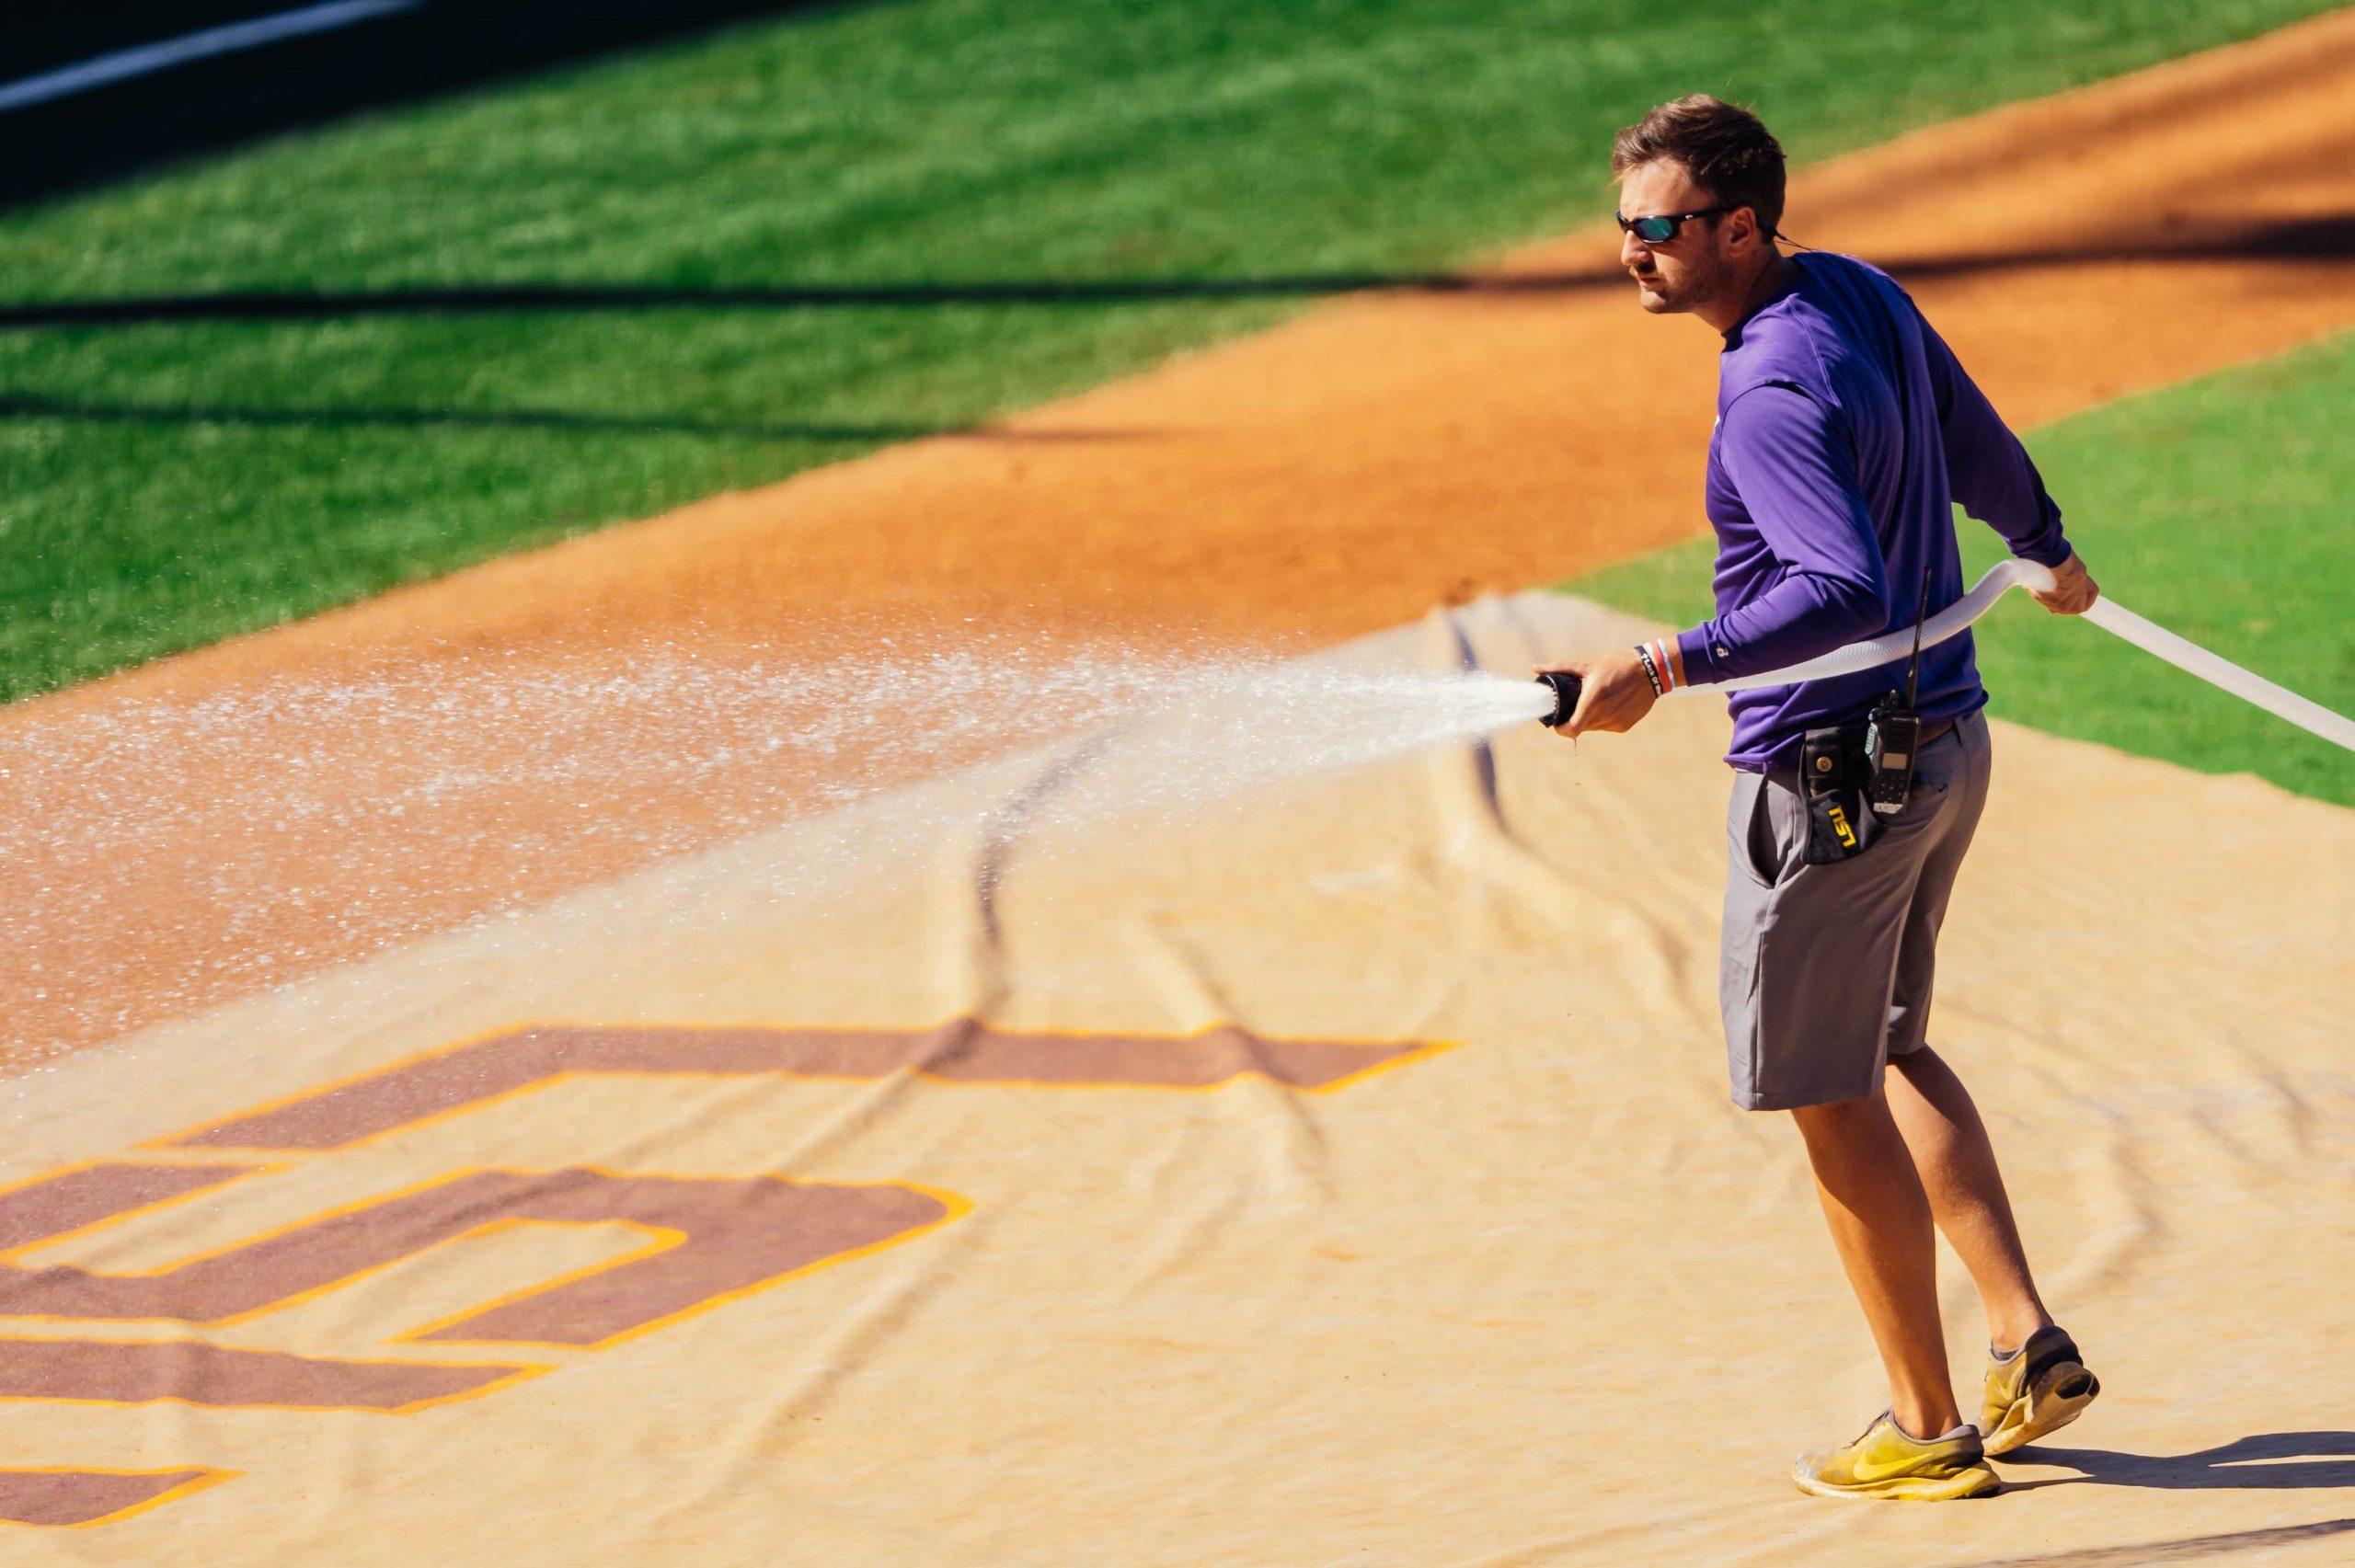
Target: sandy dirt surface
(1337,1172)
(1340,475)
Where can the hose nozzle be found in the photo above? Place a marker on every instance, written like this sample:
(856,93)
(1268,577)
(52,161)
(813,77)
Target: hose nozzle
(1565,687)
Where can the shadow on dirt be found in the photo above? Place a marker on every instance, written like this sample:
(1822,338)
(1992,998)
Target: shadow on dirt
(2327,1459)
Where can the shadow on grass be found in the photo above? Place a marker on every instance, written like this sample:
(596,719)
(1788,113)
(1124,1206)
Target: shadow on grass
(2328,238)
(429,51)
(31,407)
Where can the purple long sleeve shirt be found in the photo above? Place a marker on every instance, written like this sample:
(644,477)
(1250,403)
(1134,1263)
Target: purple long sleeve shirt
(1845,433)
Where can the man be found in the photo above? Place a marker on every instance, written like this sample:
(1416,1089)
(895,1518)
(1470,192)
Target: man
(1846,432)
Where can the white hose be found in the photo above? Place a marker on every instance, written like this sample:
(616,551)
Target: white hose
(2184,654)
(1894,645)
(2107,613)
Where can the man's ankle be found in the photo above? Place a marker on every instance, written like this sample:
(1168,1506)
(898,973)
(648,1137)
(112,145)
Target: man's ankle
(1923,1422)
(2007,1335)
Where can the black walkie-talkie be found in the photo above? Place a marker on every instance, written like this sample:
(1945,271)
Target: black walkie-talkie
(1894,730)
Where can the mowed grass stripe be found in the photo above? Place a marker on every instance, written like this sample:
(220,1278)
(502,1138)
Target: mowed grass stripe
(2219,509)
(167,484)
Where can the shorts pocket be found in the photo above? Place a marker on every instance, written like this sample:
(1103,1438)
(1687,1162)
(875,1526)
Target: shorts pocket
(1762,847)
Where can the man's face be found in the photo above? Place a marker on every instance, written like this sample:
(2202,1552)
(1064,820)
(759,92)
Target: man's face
(1688,267)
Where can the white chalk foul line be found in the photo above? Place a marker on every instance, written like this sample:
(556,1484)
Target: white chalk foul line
(148,59)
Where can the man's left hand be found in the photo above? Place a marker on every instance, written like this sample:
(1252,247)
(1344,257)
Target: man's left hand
(2074,589)
(1613,692)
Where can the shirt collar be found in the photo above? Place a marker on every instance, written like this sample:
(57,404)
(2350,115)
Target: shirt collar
(1789,286)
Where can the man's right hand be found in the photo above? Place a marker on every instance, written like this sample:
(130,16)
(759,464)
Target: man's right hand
(2074,589)
(1613,694)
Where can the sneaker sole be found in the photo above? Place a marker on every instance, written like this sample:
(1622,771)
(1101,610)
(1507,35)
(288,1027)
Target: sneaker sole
(2059,1396)
(1976,1482)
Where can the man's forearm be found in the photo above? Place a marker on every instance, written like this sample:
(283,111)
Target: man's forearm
(1804,615)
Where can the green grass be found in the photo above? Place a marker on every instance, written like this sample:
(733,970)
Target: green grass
(167,485)
(2217,508)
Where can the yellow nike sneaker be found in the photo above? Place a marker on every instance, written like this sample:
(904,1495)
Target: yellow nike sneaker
(2040,1388)
(1887,1462)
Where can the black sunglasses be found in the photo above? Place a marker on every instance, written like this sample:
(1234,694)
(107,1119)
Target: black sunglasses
(1660,230)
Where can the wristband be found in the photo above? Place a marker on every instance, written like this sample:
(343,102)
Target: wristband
(1667,665)
(1651,669)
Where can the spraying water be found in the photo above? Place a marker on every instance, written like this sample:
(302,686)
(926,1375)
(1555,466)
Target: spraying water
(1206,740)
(160,856)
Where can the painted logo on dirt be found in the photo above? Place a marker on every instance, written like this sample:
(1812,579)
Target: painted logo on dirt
(705,1240)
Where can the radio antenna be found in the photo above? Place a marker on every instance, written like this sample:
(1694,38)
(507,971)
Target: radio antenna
(1921,616)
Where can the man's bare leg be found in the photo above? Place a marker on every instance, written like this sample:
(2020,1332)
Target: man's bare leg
(1948,1143)
(1880,1222)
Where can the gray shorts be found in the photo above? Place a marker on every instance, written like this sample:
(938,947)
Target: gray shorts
(1826,970)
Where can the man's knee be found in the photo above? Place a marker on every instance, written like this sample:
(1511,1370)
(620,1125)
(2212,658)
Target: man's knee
(1923,1070)
(1841,1123)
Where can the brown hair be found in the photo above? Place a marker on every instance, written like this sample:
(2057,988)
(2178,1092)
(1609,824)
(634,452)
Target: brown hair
(1726,149)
